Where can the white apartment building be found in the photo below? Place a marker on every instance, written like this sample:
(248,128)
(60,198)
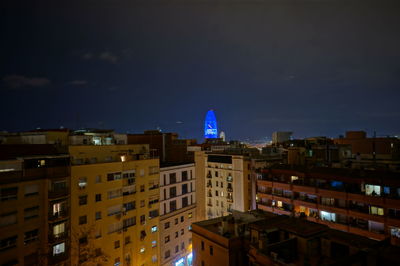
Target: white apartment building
(177,213)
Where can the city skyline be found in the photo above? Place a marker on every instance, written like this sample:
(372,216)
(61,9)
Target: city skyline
(311,67)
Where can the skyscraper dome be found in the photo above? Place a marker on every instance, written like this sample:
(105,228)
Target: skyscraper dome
(210,126)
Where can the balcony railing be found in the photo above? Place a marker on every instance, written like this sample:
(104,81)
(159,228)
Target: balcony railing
(58,193)
(58,215)
(58,237)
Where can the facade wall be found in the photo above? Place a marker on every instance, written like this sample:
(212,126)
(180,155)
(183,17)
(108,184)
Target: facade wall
(371,214)
(175,235)
(121,203)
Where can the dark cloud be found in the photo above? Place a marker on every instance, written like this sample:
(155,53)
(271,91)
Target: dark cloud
(103,56)
(18,81)
(78,82)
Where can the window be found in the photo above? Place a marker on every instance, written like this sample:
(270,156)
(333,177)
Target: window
(182,232)
(166,240)
(97,233)
(172,205)
(375,210)
(98,197)
(82,182)
(82,219)
(98,179)
(7,243)
(98,215)
(182,245)
(211,250)
(127,240)
(143,219)
(216,173)
(190,215)
(116,244)
(153,243)
(141,172)
(129,206)
(142,203)
(185,202)
(172,192)
(31,236)
(59,208)
(184,175)
(184,188)
(116,193)
(58,229)
(167,254)
(30,213)
(176,234)
(114,176)
(83,240)
(176,249)
(216,193)
(176,220)
(154,229)
(58,249)
(216,183)
(10,193)
(166,225)
(202,245)
(372,190)
(182,219)
(97,252)
(172,178)
(83,200)
(31,190)
(141,188)
(154,258)
(328,216)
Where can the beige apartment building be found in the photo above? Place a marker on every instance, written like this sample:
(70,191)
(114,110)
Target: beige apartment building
(223,184)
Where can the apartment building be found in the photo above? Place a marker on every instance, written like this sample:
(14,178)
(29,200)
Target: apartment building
(362,202)
(114,205)
(177,213)
(34,205)
(224,180)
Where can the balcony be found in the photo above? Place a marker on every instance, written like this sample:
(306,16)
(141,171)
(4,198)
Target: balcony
(58,215)
(209,184)
(209,204)
(58,193)
(229,199)
(56,238)
(56,259)
(229,189)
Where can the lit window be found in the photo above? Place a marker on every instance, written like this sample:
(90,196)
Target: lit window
(123,158)
(190,215)
(82,182)
(153,243)
(293,178)
(372,190)
(154,229)
(279,204)
(59,248)
(142,250)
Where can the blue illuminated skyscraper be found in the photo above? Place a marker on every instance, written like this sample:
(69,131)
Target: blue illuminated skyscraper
(210,126)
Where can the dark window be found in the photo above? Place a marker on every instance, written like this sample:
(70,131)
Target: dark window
(82,219)
(116,244)
(7,243)
(176,220)
(172,178)
(184,202)
(98,197)
(211,250)
(176,234)
(176,249)
(184,188)
(167,254)
(166,225)
(182,219)
(166,240)
(172,192)
(83,240)
(142,188)
(142,219)
(83,200)
(184,175)
(98,215)
(10,193)
(202,245)
(172,205)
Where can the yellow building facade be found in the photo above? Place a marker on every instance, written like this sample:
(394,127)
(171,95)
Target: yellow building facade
(114,205)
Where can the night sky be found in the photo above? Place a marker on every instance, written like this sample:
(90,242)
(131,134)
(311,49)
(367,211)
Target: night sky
(316,67)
